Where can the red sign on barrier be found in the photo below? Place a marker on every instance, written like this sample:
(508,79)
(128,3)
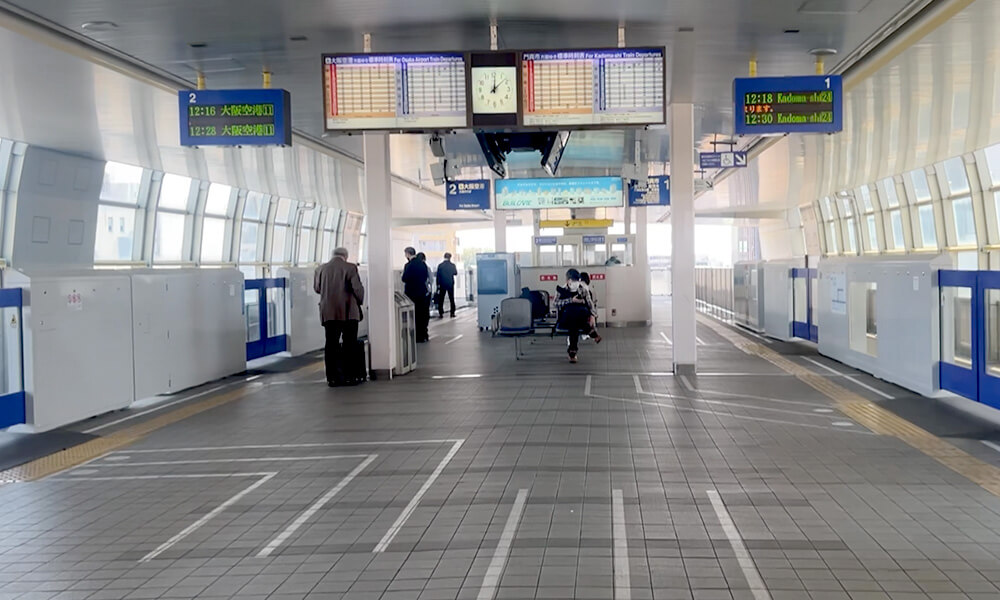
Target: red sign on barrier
(548,278)
(597,277)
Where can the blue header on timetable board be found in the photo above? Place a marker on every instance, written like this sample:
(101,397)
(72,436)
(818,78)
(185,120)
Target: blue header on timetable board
(472,194)
(235,117)
(655,191)
(769,105)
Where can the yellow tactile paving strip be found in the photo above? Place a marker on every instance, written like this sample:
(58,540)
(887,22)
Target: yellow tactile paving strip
(873,416)
(77,455)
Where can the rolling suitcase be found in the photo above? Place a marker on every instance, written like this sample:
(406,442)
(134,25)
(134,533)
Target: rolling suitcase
(358,362)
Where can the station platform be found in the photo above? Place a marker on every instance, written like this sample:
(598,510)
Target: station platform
(773,474)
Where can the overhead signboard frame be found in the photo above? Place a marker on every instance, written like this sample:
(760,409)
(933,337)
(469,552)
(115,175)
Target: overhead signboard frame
(412,92)
(257,117)
(774,105)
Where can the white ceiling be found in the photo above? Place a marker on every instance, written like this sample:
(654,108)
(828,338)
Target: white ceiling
(242,37)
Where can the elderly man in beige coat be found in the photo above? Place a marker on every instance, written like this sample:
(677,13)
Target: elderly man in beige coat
(341,295)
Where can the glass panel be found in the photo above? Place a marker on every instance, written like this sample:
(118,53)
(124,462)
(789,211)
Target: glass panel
(800,299)
(168,244)
(217,202)
(866,198)
(250,272)
(832,243)
(327,251)
(921,189)
(307,217)
(10,351)
(826,209)
(996,202)
(213,240)
(896,217)
(965,221)
(275,312)
(175,192)
(852,237)
(255,208)
(993,162)
(958,180)
(121,183)
(249,243)
(278,244)
(846,210)
(115,233)
(284,212)
(306,248)
(928,232)
(862,326)
(993,332)
(872,234)
(956,326)
(251,304)
(888,189)
(967,261)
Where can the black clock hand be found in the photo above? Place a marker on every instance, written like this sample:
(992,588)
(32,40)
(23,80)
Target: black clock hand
(494,90)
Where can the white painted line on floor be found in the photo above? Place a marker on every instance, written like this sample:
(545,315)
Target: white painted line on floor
(665,338)
(454,339)
(161,407)
(822,366)
(686,383)
(389,535)
(67,477)
(312,445)
(700,341)
(205,461)
(852,379)
(758,336)
(991,445)
(586,386)
(467,376)
(492,579)
(205,519)
(638,384)
(623,585)
(253,378)
(743,557)
(316,506)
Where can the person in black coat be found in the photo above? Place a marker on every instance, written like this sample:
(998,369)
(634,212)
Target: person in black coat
(446,273)
(416,286)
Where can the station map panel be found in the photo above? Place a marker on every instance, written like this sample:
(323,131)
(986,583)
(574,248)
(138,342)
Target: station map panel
(394,91)
(593,87)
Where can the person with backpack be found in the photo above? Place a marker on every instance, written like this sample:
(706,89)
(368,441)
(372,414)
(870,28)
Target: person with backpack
(575,311)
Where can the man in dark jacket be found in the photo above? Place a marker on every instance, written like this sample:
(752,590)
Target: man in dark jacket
(446,273)
(416,283)
(341,295)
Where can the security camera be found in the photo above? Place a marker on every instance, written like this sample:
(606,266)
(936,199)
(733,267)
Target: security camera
(437,146)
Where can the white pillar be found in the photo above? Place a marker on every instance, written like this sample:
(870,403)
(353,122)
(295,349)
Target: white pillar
(640,259)
(382,304)
(685,344)
(499,231)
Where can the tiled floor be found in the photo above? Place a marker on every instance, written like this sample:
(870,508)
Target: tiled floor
(480,477)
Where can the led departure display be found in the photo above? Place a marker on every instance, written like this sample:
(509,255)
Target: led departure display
(235,117)
(765,105)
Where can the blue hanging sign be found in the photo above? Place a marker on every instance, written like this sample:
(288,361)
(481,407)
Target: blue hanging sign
(655,191)
(235,117)
(768,105)
(723,160)
(594,239)
(471,194)
(546,241)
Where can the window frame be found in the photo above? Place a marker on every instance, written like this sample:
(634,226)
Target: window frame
(141,218)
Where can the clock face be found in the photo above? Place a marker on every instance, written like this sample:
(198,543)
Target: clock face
(494,90)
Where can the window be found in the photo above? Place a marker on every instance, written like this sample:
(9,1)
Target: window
(928,232)
(331,221)
(251,231)
(852,237)
(279,237)
(993,162)
(965,221)
(168,242)
(213,230)
(896,219)
(872,233)
(175,192)
(307,238)
(219,197)
(921,189)
(888,189)
(117,210)
(893,215)
(957,180)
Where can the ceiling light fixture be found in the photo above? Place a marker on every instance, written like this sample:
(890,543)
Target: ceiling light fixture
(99,26)
(197,44)
(823,52)
(298,38)
(793,31)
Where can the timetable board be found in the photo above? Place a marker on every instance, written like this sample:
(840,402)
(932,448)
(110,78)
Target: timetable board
(394,91)
(593,87)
